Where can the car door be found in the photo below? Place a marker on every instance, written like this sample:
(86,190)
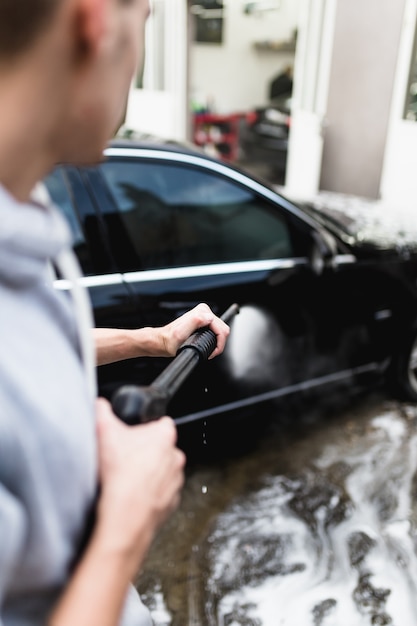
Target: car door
(183,231)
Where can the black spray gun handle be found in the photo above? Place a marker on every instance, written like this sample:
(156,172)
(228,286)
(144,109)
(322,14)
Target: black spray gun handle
(134,404)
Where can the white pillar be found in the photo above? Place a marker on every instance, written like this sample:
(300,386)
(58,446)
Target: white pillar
(398,181)
(310,90)
(161,107)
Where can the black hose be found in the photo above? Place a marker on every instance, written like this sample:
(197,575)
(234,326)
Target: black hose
(134,404)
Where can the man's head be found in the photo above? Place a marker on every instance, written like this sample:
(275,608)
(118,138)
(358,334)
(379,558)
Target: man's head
(107,45)
(65,71)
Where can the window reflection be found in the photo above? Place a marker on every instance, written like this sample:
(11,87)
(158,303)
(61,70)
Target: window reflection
(171,216)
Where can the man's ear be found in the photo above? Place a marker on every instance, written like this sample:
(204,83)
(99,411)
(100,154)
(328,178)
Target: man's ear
(90,23)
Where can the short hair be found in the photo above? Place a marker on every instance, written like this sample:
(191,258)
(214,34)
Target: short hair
(21,22)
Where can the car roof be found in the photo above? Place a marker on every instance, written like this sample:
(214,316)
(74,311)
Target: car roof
(131,140)
(135,140)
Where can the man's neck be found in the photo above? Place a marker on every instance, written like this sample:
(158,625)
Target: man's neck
(29,125)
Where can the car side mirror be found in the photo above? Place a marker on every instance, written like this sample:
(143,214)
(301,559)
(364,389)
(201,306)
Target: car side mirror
(323,251)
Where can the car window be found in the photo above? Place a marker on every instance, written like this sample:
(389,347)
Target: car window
(58,188)
(176,215)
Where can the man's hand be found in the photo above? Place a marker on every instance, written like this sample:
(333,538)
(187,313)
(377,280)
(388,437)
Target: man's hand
(141,475)
(175,333)
(119,344)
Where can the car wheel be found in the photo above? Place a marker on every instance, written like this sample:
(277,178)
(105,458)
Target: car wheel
(404,369)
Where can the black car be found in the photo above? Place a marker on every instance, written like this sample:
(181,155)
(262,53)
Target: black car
(159,227)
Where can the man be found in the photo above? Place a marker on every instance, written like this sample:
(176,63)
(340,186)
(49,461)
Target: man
(65,70)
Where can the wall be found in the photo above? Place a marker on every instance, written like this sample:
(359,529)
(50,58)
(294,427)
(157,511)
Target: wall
(366,41)
(234,76)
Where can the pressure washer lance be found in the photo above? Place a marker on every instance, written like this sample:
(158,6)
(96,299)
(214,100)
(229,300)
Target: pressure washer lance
(134,404)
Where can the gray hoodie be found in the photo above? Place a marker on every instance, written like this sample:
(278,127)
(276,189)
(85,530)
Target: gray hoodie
(47,435)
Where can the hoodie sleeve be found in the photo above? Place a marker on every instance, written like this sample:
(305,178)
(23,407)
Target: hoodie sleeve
(12,532)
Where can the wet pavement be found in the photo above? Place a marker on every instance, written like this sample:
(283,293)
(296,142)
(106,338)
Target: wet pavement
(314,523)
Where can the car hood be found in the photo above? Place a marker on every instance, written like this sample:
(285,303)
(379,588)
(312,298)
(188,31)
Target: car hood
(366,224)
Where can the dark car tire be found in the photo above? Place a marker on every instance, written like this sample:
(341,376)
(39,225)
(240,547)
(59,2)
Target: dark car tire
(403,370)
